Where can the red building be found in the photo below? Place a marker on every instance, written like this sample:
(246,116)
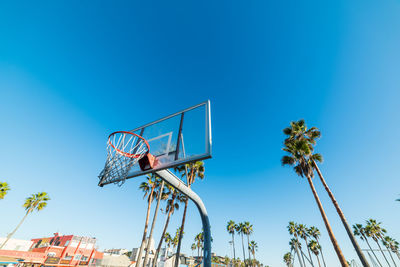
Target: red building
(67,250)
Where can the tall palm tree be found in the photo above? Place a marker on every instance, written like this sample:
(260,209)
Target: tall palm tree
(374,230)
(193,247)
(300,155)
(302,231)
(248,230)
(198,239)
(294,243)
(191,171)
(168,241)
(253,247)
(393,244)
(386,242)
(299,131)
(287,258)
(359,230)
(231,229)
(160,195)
(4,188)
(148,190)
(313,245)
(315,233)
(240,229)
(172,205)
(34,202)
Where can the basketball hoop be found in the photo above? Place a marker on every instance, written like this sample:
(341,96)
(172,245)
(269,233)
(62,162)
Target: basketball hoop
(124,149)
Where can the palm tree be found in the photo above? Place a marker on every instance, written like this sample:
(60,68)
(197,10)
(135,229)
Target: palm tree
(231,229)
(248,230)
(199,238)
(191,171)
(374,230)
(172,205)
(287,258)
(34,202)
(302,231)
(386,242)
(253,247)
(168,241)
(294,242)
(300,155)
(4,188)
(313,245)
(160,195)
(393,244)
(240,229)
(298,131)
(315,233)
(359,230)
(193,247)
(148,189)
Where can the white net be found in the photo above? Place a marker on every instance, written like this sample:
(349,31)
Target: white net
(124,149)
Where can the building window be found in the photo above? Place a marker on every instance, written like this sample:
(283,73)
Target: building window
(51,254)
(67,257)
(77,257)
(84,258)
(66,243)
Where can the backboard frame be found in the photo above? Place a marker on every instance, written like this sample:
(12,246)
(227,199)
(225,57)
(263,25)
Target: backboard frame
(178,162)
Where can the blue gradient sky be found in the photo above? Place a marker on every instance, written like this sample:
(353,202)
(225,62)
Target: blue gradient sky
(73,71)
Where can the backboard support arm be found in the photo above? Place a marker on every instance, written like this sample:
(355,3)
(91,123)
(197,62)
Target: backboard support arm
(172,179)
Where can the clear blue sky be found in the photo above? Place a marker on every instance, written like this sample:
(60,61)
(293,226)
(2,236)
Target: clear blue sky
(71,72)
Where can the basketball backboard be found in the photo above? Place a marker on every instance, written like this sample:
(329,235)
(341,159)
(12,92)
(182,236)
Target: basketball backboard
(174,140)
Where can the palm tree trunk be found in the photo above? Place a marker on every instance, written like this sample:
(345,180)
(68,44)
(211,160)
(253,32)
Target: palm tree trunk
(178,250)
(344,221)
(390,254)
(319,264)
(298,254)
(327,225)
(382,252)
(320,250)
(16,228)
(302,257)
(153,224)
(233,243)
(248,248)
(309,254)
(146,224)
(366,240)
(244,255)
(164,231)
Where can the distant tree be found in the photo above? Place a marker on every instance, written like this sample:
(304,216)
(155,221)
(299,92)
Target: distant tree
(159,195)
(172,204)
(191,171)
(376,232)
(386,241)
(241,229)
(315,233)
(360,231)
(294,242)
(302,231)
(4,188)
(231,229)
(314,247)
(253,248)
(287,258)
(34,202)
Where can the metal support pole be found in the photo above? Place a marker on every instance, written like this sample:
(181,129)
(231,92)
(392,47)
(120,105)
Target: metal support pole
(171,178)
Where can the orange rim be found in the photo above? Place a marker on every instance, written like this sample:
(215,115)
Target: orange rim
(126,154)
